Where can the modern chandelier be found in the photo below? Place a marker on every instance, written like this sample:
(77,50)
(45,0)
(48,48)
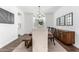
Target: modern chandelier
(39,18)
(39,15)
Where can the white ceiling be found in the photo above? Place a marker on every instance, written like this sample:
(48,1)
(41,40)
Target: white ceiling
(44,9)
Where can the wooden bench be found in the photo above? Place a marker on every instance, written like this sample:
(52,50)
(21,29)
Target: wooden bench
(28,41)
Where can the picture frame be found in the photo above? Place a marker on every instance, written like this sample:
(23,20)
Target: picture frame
(6,17)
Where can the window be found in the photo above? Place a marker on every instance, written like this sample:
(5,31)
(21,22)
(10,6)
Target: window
(69,19)
(66,20)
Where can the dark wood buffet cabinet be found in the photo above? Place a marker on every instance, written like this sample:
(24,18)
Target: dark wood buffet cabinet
(67,37)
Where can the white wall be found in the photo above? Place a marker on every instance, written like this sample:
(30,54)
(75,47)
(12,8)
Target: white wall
(21,23)
(67,9)
(9,32)
(49,20)
(28,23)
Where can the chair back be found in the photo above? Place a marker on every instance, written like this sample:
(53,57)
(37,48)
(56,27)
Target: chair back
(53,30)
(49,28)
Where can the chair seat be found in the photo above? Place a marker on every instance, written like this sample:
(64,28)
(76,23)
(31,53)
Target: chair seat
(51,37)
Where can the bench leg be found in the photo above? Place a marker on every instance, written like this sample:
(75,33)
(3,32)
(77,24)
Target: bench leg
(26,44)
(54,40)
(51,40)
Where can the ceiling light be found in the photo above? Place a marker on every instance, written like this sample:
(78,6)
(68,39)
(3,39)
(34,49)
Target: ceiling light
(39,15)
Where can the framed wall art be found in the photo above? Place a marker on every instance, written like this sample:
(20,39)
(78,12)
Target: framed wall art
(6,17)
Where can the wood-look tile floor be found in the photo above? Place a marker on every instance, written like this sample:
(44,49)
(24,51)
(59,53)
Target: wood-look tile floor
(69,48)
(10,47)
(51,47)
